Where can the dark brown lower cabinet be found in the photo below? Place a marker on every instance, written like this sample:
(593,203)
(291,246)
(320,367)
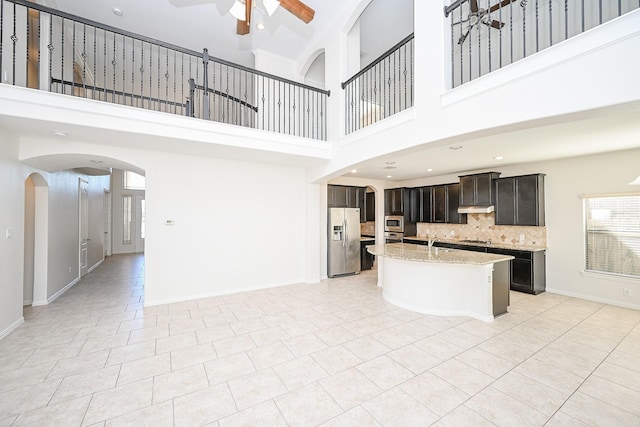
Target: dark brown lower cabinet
(366,259)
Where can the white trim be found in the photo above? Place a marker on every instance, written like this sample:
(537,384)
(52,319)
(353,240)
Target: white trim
(11,327)
(611,276)
(592,298)
(56,295)
(27,302)
(96,265)
(596,196)
(220,293)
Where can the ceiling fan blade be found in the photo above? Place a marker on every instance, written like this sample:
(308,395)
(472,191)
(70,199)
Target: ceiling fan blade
(496,24)
(497,6)
(244,27)
(473,4)
(298,9)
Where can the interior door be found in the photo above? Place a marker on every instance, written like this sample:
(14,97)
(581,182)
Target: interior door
(84,227)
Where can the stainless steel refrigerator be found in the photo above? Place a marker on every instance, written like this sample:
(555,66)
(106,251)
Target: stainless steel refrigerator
(344,241)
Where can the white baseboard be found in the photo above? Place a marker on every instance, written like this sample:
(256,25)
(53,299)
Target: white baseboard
(25,302)
(217,293)
(592,298)
(11,327)
(55,296)
(96,265)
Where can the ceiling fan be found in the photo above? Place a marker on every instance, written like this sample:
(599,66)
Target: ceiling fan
(241,10)
(477,16)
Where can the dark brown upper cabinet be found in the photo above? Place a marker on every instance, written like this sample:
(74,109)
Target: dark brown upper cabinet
(477,189)
(520,200)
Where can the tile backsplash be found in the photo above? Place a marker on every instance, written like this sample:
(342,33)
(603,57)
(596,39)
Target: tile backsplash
(368,228)
(482,227)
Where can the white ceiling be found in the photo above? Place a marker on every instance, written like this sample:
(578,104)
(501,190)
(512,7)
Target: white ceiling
(198,24)
(590,133)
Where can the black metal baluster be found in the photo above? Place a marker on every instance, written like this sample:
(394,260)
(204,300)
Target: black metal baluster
(524,31)
(566,19)
(124,71)
(142,63)
(582,29)
(538,26)
(84,60)
(114,63)
(550,22)
(151,101)
(511,32)
(104,66)
(50,46)
(600,11)
(2,79)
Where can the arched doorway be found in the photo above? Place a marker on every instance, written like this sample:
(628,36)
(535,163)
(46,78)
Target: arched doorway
(36,232)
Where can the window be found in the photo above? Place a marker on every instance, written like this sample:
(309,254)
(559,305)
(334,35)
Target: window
(133,181)
(612,233)
(126,215)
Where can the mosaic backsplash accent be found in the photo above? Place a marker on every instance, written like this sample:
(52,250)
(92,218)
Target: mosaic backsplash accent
(482,227)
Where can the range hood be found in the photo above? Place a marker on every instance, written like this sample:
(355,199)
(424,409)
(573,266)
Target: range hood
(475,209)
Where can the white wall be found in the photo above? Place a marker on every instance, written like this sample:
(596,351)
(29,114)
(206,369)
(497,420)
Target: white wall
(236,226)
(11,250)
(565,181)
(63,265)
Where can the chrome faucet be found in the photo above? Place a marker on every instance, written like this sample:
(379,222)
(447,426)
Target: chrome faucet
(431,241)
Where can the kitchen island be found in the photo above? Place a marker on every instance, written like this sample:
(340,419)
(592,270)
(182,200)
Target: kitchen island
(440,281)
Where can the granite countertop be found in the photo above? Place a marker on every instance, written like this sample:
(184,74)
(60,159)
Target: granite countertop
(412,252)
(367,239)
(498,245)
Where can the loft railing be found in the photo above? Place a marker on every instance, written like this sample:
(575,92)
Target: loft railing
(46,49)
(489,34)
(381,89)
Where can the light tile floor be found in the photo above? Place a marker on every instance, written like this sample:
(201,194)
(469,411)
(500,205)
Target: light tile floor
(333,353)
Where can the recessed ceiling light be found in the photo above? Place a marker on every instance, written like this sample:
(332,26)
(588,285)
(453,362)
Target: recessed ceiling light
(59,133)
(260,26)
(429,170)
(498,158)
(117,11)
(389,176)
(390,163)
(354,171)
(455,147)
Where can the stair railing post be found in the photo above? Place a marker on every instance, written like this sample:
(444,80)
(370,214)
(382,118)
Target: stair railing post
(205,96)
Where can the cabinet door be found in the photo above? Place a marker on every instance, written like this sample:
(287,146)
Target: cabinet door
(414,204)
(398,201)
(370,203)
(527,200)
(505,201)
(467,190)
(521,274)
(337,196)
(439,203)
(388,202)
(453,201)
(484,184)
(360,202)
(425,204)
(352,197)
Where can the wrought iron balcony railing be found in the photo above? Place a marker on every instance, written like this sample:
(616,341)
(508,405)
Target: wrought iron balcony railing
(46,49)
(381,89)
(489,34)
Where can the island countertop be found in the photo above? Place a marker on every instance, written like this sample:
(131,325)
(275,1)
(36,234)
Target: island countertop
(413,252)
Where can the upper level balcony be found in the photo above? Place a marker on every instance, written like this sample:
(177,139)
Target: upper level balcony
(438,81)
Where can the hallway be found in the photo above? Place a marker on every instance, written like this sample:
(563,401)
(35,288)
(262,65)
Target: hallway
(333,353)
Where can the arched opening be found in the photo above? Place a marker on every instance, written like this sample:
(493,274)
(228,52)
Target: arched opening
(314,69)
(36,234)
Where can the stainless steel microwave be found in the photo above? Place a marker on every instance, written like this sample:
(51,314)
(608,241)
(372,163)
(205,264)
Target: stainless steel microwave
(394,223)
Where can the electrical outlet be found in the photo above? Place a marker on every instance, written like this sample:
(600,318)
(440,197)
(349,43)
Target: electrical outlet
(453,233)
(626,292)
(69,269)
(521,238)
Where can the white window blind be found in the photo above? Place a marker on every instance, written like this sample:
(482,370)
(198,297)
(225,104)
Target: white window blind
(613,234)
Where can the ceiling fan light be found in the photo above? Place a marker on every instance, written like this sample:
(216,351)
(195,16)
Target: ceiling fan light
(238,11)
(270,6)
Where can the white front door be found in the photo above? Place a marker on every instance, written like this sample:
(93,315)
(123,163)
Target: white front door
(84,227)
